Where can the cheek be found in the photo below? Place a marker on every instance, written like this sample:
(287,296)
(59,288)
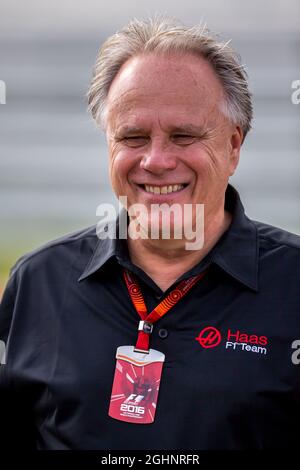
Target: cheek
(120,165)
(202,161)
(212,162)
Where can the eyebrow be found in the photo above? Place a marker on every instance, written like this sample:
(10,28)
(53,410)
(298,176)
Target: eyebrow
(130,130)
(188,128)
(185,128)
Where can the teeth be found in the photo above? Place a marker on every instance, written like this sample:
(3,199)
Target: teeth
(163,189)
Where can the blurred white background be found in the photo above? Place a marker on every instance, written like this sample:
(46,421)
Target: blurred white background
(53,161)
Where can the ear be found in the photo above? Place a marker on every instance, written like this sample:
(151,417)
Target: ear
(236,141)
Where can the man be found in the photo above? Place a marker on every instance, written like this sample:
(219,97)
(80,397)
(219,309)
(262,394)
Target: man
(95,326)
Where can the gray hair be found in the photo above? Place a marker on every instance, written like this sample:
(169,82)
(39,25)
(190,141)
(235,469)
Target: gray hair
(162,35)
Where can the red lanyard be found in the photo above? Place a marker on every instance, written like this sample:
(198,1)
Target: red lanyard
(145,326)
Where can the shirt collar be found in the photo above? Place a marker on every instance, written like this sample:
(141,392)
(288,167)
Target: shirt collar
(236,252)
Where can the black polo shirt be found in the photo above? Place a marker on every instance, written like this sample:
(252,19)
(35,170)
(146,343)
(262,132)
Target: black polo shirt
(229,381)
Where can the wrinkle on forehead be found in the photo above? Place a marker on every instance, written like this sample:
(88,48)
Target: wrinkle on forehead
(187,85)
(132,116)
(183,68)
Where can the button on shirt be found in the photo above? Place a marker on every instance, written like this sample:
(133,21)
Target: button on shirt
(231,378)
(162,333)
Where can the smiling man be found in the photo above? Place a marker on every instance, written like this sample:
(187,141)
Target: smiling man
(169,142)
(138,342)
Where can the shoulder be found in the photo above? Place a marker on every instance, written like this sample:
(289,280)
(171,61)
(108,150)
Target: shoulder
(59,251)
(278,248)
(277,236)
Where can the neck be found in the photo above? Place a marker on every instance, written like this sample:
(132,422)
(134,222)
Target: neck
(166,260)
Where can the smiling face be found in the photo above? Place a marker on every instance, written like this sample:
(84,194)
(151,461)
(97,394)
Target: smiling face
(168,141)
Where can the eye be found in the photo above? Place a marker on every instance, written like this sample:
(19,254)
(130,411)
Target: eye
(183,139)
(135,141)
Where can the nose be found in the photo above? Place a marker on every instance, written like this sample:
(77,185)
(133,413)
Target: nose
(158,158)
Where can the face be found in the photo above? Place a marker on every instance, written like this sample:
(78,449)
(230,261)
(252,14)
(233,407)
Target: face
(168,141)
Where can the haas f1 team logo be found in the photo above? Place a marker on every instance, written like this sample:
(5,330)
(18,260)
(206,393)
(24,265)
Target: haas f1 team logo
(210,337)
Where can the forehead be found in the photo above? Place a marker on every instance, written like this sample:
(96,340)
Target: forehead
(166,86)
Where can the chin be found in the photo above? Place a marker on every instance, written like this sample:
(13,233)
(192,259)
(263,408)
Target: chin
(165,230)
